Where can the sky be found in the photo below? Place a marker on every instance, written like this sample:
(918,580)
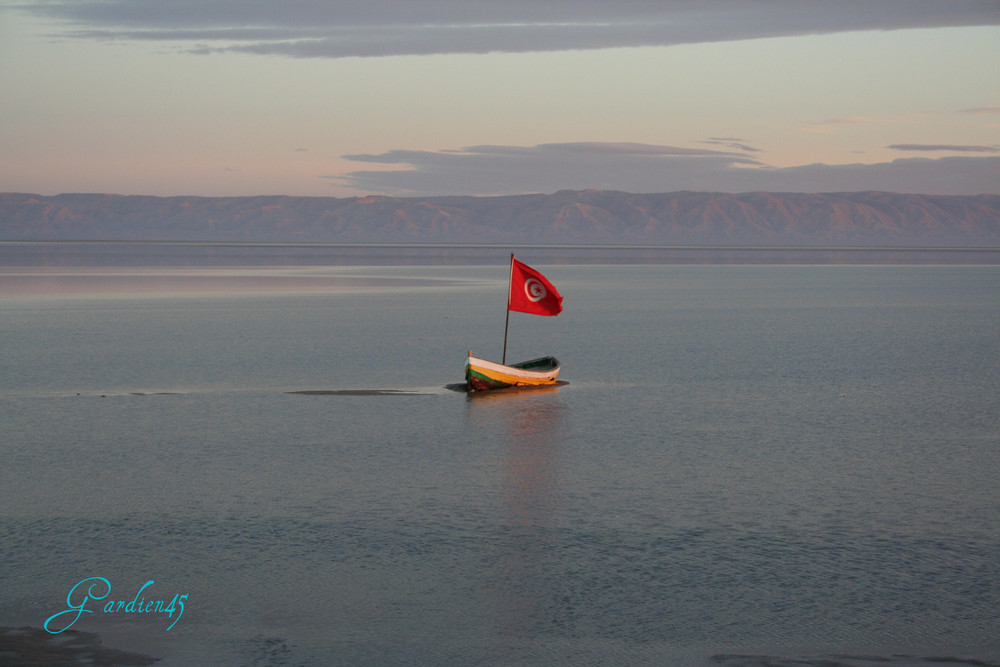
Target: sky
(417,98)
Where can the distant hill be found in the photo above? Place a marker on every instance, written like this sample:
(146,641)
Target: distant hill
(569,217)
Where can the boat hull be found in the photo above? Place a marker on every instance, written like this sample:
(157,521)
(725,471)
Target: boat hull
(483,375)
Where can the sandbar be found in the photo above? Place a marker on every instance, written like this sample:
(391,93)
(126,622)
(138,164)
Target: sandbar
(34,647)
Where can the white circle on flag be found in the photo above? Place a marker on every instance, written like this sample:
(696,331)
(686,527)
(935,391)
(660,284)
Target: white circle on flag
(534,289)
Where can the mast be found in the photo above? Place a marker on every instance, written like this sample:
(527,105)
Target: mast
(510,281)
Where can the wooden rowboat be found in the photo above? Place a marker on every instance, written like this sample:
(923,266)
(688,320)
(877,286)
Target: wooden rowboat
(483,375)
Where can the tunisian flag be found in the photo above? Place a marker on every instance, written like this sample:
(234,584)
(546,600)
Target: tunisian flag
(531,292)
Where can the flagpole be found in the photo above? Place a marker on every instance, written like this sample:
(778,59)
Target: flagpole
(510,281)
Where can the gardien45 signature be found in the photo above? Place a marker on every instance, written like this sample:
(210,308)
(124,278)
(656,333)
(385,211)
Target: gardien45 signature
(82,594)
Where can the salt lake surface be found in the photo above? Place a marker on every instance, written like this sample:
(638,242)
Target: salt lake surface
(752,464)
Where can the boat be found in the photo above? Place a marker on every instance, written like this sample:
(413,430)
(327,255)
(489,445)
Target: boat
(528,291)
(483,375)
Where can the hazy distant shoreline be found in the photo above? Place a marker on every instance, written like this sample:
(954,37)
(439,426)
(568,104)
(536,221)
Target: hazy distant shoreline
(22,257)
(588,217)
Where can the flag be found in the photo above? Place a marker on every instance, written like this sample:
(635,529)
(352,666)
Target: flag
(531,292)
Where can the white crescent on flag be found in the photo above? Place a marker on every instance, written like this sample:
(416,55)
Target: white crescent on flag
(534,289)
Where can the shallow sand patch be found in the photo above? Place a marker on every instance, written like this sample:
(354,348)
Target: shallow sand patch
(33,647)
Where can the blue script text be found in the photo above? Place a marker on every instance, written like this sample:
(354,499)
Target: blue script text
(98,589)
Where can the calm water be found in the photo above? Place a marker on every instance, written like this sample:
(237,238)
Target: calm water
(751,464)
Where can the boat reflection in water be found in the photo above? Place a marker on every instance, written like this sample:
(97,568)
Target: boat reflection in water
(530,429)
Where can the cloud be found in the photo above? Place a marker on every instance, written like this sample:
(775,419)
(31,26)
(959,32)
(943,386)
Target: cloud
(542,168)
(495,170)
(982,110)
(942,176)
(350,28)
(945,147)
(731,142)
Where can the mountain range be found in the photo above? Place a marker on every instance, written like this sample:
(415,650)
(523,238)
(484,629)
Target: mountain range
(566,217)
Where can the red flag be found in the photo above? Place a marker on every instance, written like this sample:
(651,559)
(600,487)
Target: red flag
(531,292)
